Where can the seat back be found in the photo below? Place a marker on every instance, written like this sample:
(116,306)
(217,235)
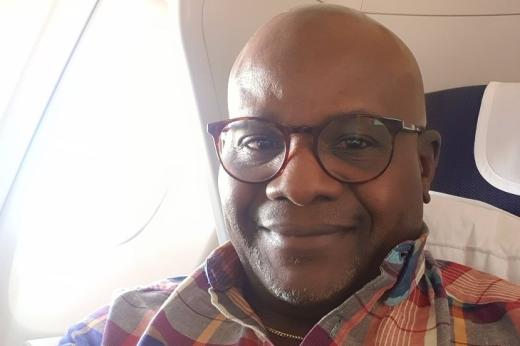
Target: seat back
(471,221)
(454,113)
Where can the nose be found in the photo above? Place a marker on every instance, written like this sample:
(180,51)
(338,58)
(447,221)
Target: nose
(303,180)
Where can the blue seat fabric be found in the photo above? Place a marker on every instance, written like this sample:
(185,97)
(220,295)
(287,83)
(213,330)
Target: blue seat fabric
(454,113)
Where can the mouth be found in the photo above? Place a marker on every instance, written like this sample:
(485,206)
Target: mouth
(307,231)
(305,240)
(297,245)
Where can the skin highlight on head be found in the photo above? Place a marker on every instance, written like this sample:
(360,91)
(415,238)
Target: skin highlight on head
(306,241)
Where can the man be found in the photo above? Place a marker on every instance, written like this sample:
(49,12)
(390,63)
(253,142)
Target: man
(326,164)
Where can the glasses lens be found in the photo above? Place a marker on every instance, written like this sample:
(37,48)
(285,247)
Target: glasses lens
(355,149)
(252,150)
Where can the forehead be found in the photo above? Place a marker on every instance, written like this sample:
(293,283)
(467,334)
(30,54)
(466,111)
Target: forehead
(308,94)
(303,75)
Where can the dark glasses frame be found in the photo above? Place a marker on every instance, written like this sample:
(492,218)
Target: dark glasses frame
(393,125)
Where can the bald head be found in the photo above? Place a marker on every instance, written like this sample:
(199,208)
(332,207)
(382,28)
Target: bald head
(313,44)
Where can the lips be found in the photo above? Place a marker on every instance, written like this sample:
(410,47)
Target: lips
(294,230)
(299,245)
(317,220)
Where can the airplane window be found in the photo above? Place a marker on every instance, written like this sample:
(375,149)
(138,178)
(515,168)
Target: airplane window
(27,25)
(113,191)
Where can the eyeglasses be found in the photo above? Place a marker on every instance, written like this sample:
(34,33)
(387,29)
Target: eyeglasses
(352,148)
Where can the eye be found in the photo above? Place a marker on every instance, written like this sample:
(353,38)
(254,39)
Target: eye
(353,143)
(259,143)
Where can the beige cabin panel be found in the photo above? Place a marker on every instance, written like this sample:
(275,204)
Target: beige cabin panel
(442,7)
(459,51)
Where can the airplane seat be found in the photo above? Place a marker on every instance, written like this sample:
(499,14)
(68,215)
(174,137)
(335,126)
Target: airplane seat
(455,114)
(474,215)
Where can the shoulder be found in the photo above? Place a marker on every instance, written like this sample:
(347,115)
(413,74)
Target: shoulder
(483,308)
(149,297)
(129,310)
(471,286)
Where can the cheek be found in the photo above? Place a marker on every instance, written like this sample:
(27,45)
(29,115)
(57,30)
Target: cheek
(394,200)
(237,198)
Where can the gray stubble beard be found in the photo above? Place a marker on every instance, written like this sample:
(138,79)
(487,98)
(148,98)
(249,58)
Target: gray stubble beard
(301,296)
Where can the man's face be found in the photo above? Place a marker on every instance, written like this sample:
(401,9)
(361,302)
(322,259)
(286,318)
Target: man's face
(305,237)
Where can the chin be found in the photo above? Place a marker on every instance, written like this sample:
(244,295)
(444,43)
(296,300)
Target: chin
(304,291)
(305,296)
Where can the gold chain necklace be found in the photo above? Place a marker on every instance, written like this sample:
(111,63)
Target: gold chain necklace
(284,335)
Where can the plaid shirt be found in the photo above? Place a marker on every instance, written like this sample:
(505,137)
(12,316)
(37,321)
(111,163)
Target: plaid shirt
(415,301)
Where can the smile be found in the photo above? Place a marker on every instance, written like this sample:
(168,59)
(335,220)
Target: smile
(305,241)
(295,231)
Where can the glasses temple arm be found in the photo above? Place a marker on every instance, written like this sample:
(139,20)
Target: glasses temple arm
(412,128)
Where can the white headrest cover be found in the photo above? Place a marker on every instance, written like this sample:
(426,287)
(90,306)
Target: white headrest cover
(474,233)
(497,139)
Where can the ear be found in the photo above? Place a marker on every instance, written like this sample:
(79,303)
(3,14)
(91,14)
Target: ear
(429,149)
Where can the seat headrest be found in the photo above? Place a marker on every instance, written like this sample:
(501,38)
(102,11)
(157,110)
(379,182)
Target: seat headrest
(497,138)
